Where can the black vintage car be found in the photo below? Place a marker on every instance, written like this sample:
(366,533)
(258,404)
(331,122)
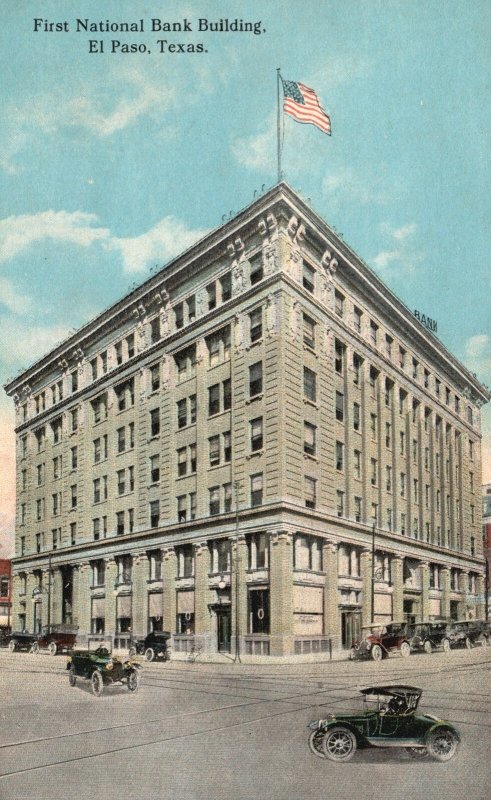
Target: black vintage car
(467,633)
(5,634)
(21,640)
(98,667)
(152,646)
(428,636)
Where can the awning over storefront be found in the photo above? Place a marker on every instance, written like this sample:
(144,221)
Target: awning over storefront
(98,607)
(155,605)
(185,602)
(123,606)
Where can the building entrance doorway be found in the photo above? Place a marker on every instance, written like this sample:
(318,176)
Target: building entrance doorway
(223,628)
(408,609)
(350,628)
(454,609)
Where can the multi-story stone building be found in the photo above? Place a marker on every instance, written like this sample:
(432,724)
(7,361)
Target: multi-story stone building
(220,453)
(486,536)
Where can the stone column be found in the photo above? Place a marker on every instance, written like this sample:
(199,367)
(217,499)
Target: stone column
(480,599)
(202,615)
(445,586)
(139,573)
(238,592)
(82,599)
(281,594)
(425,589)
(332,618)
(16,608)
(397,577)
(464,588)
(56,596)
(366,575)
(76,597)
(110,611)
(169,572)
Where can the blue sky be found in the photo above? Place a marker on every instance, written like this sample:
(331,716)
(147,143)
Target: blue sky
(111,163)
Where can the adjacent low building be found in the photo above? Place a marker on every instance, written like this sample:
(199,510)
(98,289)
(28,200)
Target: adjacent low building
(259,449)
(5,593)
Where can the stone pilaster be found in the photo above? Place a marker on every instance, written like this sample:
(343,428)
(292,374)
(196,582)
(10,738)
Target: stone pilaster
(56,596)
(169,572)
(31,583)
(445,587)
(397,573)
(82,598)
(366,575)
(480,599)
(332,617)
(425,590)
(238,591)
(202,617)
(17,606)
(139,574)
(281,594)
(464,588)
(110,614)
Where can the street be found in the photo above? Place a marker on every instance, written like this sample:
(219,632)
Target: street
(231,731)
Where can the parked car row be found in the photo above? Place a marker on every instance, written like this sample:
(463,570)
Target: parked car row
(379,641)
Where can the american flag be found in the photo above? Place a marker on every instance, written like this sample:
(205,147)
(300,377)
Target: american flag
(303,105)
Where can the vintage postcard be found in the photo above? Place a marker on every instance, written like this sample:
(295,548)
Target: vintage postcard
(245,515)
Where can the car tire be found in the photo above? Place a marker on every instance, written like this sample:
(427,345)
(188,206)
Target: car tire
(72,678)
(377,653)
(34,648)
(133,681)
(428,648)
(12,646)
(339,744)
(132,652)
(53,648)
(149,654)
(352,654)
(468,643)
(446,645)
(417,752)
(405,649)
(316,739)
(442,744)
(96,683)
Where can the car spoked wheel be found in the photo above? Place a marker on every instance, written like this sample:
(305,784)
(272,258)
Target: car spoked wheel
(133,681)
(377,653)
(352,654)
(417,752)
(52,649)
(132,652)
(442,744)
(96,683)
(446,645)
(468,643)
(34,648)
(149,654)
(339,744)
(405,649)
(12,646)
(72,678)
(316,739)
(427,647)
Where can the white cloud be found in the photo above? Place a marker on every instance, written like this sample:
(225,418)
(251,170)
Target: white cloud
(13,300)
(402,255)
(7,485)
(23,344)
(478,355)
(348,184)
(164,241)
(20,232)
(259,150)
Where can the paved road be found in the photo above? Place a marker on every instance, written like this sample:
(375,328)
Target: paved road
(207,732)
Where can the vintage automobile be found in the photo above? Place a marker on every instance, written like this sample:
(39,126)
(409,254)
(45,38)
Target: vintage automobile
(5,634)
(387,718)
(56,639)
(467,633)
(98,667)
(21,640)
(428,636)
(381,640)
(152,646)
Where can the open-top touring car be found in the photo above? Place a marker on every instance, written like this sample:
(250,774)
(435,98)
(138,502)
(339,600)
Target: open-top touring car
(101,670)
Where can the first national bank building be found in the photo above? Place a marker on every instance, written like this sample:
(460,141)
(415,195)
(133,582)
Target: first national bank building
(219,453)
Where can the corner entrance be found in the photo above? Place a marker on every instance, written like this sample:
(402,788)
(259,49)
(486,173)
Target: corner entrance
(350,628)
(223,628)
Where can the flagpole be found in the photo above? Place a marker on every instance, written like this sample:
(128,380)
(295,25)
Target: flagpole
(278,124)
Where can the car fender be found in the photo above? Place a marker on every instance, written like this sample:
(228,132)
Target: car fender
(441,724)
(360,738)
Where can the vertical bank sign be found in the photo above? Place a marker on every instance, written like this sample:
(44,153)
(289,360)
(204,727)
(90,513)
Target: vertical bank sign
(430,324)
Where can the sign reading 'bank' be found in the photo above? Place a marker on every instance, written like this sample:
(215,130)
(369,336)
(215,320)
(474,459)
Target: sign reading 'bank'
(430,324)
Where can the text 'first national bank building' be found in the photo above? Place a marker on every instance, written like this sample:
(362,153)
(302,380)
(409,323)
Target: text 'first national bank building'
(210,454)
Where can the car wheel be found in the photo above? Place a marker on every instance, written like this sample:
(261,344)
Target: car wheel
(377,653)
(315,743)
(483,641)
(405,649)
(72,678)
(52,649)
(442,744)
(149,654)
(339,744)
(468,643)
(96,683)
(133,681)
(446,645)
(132,652)
(34,648)
(428,647)
(12,646)
(417,752)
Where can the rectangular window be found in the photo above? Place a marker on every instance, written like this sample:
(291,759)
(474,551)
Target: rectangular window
(227,496)
(308,331)
(402,479)
(373,332)
(74,420)
(357,508)
(373,427)
(257,271)
(339,303)
(340,503)
(73,495)
(256,489)
(308,277)
(356,319)
(339,456)
(310,489)
(402,357)
(179,315)
(226,286)
(415,490)
(388,478)
(155,468)
(356,416)
(415,369)
(373,478)
(388,435)
(155,377)
(357,463)
(74,456)
(309,384)
(121,436)
(256,324)
(338,356)
(120,476)
(73,533)
(256,434)
(309,440)
(388,519)
(214,493)
(211,293)
(403,524)
(388,345)
(130,345)
(357,363)
(214,449)
(227,447)
(181,508)
(340,406)
(182,413)
(118,350)
(155,422)
(119,523)
(227,394)
(155,330)
(213,399)
(256,379)
(182,464)
(154,513)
